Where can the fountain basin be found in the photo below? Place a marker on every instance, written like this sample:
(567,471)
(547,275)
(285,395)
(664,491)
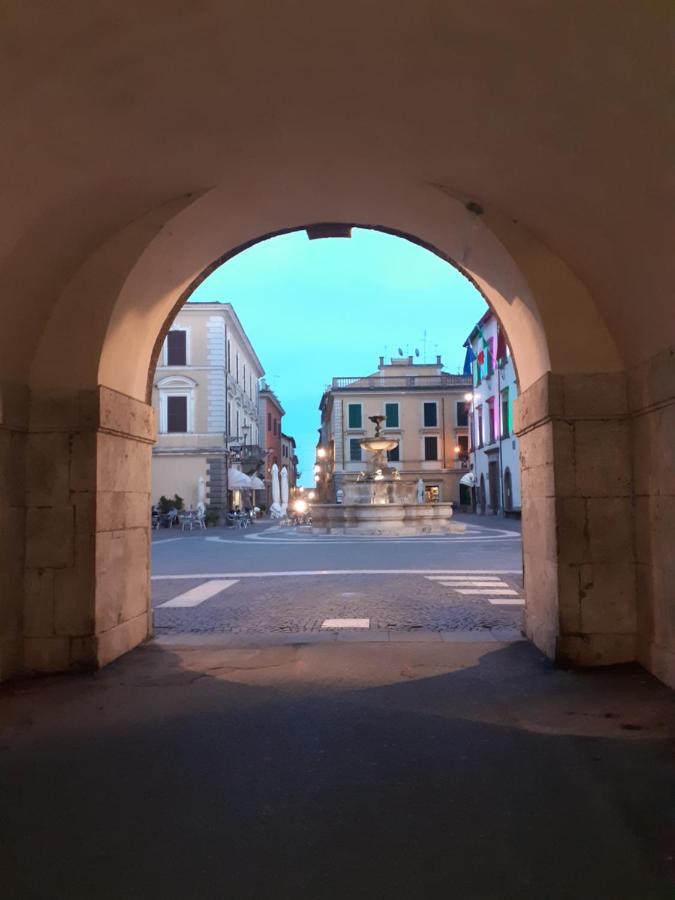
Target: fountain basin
(389,519)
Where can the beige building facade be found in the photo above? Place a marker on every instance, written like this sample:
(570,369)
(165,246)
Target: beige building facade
(424,408)
(205,395)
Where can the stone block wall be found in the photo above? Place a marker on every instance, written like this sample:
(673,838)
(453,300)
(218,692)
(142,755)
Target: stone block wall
(87,535)
(651,397)
(578,525)
(13,428)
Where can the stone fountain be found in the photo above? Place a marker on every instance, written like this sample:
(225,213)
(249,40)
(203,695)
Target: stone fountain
(380,501)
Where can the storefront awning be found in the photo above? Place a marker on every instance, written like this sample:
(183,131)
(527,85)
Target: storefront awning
(237,481)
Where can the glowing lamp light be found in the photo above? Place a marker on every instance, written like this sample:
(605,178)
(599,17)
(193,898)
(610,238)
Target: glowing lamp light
(317,469)
(321,453)
(300,506)
(312,495)
(316,478)
(458,449)
(468,397)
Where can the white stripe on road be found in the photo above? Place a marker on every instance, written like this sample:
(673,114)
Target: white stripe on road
(444,573)
(345,623)
(485,577)
(504,601)
(500,591)
(166,541)
(199,594)
(471,583)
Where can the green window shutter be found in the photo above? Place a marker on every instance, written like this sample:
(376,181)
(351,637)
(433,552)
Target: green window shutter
(355,450)
(391,413)
(354,415)
(430,415)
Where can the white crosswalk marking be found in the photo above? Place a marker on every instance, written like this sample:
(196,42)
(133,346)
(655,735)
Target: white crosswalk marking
(345,623)
(472,583)
(198,594)
(497,591)
(506,601)
(462,577)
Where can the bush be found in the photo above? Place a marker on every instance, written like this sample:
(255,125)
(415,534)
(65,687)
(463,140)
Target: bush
(165,504)
(211,516)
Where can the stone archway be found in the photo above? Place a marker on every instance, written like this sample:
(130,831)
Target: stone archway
(100,427)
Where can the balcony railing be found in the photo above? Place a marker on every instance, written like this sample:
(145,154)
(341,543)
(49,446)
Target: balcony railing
(401,381)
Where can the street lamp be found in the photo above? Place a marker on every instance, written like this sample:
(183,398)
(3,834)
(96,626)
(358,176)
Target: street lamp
(321,453)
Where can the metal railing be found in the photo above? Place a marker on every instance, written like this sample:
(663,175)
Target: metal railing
(401,381)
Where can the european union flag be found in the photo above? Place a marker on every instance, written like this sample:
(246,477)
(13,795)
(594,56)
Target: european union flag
(468,359)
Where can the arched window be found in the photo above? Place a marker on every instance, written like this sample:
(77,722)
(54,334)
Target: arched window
(176,404)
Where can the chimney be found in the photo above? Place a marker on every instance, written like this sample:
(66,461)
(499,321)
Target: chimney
(438,359)
(381,361)
(410,361)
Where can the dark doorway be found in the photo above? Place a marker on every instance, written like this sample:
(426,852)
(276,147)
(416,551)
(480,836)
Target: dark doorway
(493,478)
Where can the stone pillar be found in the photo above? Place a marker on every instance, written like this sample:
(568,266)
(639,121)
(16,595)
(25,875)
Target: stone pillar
(13,427)
(87,586)
(651,392)
(577,504)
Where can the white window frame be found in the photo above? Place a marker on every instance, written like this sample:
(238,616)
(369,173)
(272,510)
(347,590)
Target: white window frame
(435,402)
(188,344)
(176,386)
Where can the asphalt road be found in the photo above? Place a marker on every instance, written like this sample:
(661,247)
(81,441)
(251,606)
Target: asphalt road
(272,580)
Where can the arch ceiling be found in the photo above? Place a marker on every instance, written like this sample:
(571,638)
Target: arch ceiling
(556,118)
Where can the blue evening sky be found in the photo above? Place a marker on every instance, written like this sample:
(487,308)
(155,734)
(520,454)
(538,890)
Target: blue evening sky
(318,309)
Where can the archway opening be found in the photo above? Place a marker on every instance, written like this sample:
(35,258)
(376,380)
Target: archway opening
(286,339)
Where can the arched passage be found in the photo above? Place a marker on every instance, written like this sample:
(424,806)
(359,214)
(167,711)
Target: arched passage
(89,407)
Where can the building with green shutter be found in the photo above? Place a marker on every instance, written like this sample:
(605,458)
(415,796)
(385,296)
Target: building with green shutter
(424,408)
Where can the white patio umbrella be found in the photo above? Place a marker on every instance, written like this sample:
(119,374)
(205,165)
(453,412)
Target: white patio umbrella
(284,491)
(469,479)
(201,491)
(257,484)
(275,508)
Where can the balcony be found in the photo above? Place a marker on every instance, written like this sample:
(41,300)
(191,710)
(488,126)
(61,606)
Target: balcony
(251,456)
(397,382)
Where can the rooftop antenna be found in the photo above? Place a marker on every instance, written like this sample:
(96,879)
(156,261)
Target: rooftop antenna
(424,345)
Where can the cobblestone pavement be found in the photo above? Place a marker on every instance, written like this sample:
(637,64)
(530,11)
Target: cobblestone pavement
(299,604)
(278,581)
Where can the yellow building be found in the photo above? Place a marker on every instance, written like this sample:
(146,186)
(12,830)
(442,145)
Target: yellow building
(424,408)
(205,395)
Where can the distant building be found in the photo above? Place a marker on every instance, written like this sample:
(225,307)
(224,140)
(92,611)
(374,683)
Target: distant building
(494,448)
(271,413)
(205,394)
(424,407)
(289,458)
